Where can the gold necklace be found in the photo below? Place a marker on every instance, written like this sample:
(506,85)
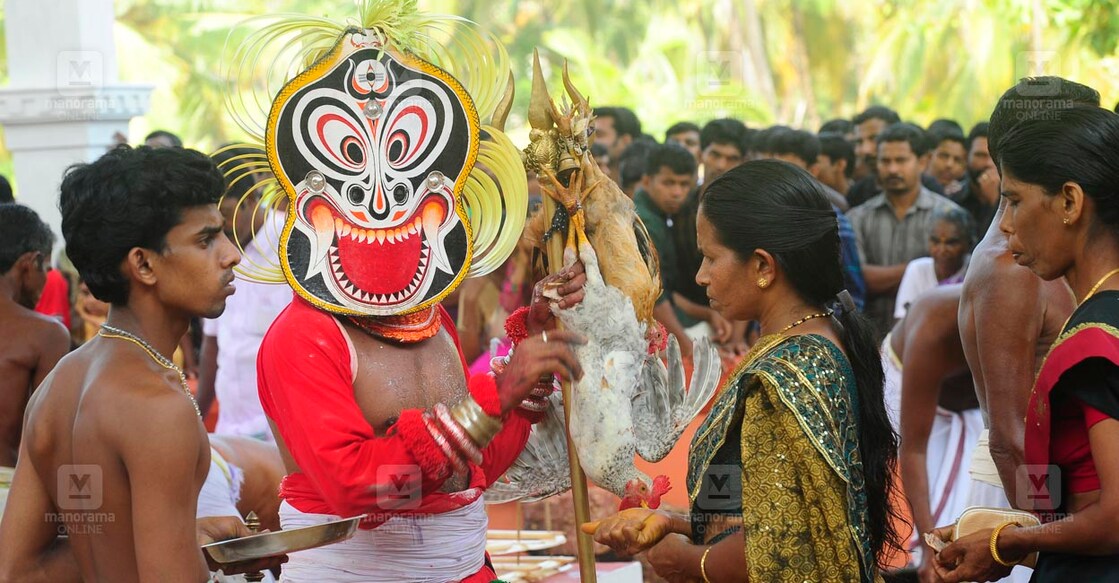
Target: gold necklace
(108,331)
(803,320)
(1098,284)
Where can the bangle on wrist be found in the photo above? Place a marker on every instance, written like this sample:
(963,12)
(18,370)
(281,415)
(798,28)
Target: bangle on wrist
(473,420)
(703,565)
(458,466)
(994,544)
(498,363)
(534,405)
(457,435)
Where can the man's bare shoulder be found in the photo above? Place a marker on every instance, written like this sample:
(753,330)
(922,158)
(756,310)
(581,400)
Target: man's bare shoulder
(933,315)
(147,396)
(23,325)
(119,393)
(994,276)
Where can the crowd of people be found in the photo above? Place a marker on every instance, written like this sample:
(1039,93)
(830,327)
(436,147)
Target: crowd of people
(914,321)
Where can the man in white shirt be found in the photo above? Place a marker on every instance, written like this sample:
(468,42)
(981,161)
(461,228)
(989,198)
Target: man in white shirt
(231,341)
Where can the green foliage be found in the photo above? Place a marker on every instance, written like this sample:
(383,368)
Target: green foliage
(797,62)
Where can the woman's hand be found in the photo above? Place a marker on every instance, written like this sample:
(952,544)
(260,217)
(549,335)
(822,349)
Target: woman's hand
(630,531)
(969,559)
(564,288)
(667,559)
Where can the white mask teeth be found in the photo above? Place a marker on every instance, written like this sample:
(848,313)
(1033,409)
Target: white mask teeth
(322,222)
(432,219)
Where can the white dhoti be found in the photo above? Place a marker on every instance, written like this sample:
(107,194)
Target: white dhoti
(431,548)
(986,490)
(218,497)
(952,443)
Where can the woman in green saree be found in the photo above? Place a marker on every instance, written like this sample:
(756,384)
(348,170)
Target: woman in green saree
(789,476)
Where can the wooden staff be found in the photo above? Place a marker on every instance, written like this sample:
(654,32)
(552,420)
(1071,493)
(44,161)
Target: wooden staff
(584,542)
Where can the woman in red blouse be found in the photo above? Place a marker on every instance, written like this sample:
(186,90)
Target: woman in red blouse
(1060,179)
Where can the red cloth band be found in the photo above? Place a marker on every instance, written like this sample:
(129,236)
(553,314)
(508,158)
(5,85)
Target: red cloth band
(483,387)
(433,462)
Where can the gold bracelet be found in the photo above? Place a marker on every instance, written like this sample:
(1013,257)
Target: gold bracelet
(480,427)
(703,565)
(995,543)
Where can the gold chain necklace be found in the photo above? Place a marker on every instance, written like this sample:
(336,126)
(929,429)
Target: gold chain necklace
(803,320)
(1096,287)
(108,331)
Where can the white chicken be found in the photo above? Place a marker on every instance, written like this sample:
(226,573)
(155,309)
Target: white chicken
(628,402)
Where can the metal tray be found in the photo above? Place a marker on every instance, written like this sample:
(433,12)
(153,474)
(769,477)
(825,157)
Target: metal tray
(281,542)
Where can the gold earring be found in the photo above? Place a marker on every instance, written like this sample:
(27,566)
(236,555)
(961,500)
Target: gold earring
(1066,220)
(763,282)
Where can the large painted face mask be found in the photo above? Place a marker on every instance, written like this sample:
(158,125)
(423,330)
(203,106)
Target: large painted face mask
(373,148)
(396,191)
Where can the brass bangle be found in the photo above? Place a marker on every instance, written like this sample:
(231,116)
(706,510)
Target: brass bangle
(464,443)
(703,565)
(480,427)
(994,544)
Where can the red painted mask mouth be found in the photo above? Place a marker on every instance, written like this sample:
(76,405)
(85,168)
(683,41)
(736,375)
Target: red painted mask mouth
(384,266)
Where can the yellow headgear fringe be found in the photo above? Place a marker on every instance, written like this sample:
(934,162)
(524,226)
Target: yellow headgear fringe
(269,198)
(496,199)
(265,52)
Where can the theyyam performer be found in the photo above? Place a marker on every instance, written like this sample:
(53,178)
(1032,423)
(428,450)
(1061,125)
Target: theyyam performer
(396,192)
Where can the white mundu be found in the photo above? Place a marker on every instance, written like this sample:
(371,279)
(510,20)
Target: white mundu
(429,548)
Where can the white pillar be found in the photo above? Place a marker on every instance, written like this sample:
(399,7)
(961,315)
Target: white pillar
(64,100)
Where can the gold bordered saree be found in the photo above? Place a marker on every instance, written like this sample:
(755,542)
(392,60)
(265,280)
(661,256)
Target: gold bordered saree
(780,449)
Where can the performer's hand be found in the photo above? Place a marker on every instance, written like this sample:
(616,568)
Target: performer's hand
(969,559)
(630,531)
(563,288)
(535,358)
(666,558)
(218,528)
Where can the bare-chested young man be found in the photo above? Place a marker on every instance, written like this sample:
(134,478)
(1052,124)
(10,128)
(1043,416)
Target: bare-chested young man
(114,452)
(940,419)
(1008,316)
(30,343)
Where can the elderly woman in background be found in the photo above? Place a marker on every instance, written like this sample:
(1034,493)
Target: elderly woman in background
(950,242)
(1060,174)
(790,474)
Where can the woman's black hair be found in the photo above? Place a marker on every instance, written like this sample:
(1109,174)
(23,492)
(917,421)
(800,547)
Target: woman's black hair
(130,197)
(1077,144)
(778,207)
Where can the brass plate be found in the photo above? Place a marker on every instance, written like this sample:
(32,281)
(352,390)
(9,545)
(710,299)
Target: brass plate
(282,542)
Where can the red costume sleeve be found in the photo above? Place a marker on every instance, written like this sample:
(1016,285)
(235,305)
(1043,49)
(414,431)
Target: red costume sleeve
(306,388)
(55,299)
